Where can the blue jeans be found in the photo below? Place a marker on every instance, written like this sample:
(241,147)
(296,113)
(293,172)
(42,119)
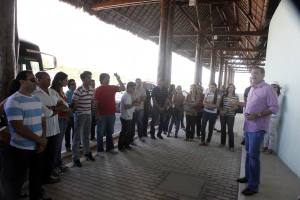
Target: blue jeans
(211,119)
(82,127)
(63,122)
(105,124)
(253,141)
(138,119)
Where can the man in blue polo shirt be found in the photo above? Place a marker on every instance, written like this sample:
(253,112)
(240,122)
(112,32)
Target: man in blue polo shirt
(27,129)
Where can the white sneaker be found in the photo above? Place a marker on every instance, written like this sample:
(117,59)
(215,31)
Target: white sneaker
(100,154)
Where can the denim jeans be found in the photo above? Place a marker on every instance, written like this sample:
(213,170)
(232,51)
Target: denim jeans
(176,118)
(227,121)
(190,126)
(211,118)
(155,116)
(138,120)
(63,122)
(105,124)
(199,122)
(82,126)
(253,141)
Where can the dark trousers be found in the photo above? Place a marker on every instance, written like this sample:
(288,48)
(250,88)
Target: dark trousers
(138,120)
(70,127)
(49,156)
(3,147)
(175,118)
(17,163)
(155,116)
(211,118)
(190,126)
(93,125)
(182,121)
(168,115)
(227,121)
(199,122)
(126,133)
(105,124)
(145,122)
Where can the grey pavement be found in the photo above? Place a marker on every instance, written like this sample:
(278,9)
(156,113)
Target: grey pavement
(156,170)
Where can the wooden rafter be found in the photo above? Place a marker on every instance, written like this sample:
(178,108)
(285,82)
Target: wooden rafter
(230,33)
(111,4)
(225,49)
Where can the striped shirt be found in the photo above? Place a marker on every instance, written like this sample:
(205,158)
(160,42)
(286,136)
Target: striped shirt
(228,105)
(29,110)
(84,99)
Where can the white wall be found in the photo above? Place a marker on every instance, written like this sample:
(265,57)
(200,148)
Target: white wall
(283,65)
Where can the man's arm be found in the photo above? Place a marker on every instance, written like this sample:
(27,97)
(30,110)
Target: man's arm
(122,87)
(27,133)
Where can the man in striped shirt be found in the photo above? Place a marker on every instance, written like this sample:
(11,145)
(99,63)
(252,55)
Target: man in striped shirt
(82,101)
(24,113)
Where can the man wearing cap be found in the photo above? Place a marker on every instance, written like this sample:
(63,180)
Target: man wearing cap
(261,103)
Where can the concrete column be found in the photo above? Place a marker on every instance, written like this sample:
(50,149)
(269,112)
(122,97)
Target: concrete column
(225,74)
(198,60)
(221,72)
(167,9)
(213,66)
(9,44)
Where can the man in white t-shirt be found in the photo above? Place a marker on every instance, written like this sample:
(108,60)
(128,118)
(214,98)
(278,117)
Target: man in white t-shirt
(139,98)
(127,107)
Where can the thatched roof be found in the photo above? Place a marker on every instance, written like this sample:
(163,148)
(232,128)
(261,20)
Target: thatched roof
(239,24)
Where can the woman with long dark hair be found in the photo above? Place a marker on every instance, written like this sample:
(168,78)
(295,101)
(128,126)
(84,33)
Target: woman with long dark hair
(228,107)
(60,80)
(211,103)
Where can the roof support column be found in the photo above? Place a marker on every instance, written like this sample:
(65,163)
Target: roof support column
(167,9)
(213,66)
(221,72)
(229,76)
(8,44)
(225,74)
(198,60)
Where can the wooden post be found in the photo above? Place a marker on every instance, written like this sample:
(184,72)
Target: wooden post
(167,9)
(8,44)
(232,76)
(221,72)
(198,60)
(213,66)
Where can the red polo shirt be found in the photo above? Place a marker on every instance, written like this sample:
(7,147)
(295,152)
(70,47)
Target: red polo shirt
(105,97)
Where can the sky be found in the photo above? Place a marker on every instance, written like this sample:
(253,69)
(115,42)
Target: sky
(83,42)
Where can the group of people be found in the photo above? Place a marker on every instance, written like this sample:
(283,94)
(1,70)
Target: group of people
(37,115)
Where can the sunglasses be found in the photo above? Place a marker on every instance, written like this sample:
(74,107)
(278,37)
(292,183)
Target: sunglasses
(33,80)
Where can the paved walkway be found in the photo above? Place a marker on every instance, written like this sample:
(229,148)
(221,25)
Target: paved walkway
(144,173)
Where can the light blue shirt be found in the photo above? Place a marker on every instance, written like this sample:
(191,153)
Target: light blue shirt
(29,110)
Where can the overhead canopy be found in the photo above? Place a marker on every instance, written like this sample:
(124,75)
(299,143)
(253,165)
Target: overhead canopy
(235,28)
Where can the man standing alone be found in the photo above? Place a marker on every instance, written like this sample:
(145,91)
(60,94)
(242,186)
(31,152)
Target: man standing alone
(261,103)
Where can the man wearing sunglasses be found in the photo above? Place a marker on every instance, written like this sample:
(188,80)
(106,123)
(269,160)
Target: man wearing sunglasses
(27,128)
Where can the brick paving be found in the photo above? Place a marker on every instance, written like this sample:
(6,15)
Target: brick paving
(135,175)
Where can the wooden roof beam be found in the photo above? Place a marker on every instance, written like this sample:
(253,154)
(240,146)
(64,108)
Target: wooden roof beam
(247,16)
(225,49)
(230,33)
(112,4)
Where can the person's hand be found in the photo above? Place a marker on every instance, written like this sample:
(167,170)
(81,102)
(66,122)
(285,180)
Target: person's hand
(222,112)
(251,117)
(41,144)
(117,76)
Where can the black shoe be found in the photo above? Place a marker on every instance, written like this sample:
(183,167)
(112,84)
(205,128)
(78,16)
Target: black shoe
(242,180)
(77,163)
(249,192)
(160,137)
(52,180)
(153,137)
(243,142)
(89,157)
(128,148)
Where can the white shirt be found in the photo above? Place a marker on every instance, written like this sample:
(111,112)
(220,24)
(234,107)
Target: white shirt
(140,93)
(126,114)
(50,99)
